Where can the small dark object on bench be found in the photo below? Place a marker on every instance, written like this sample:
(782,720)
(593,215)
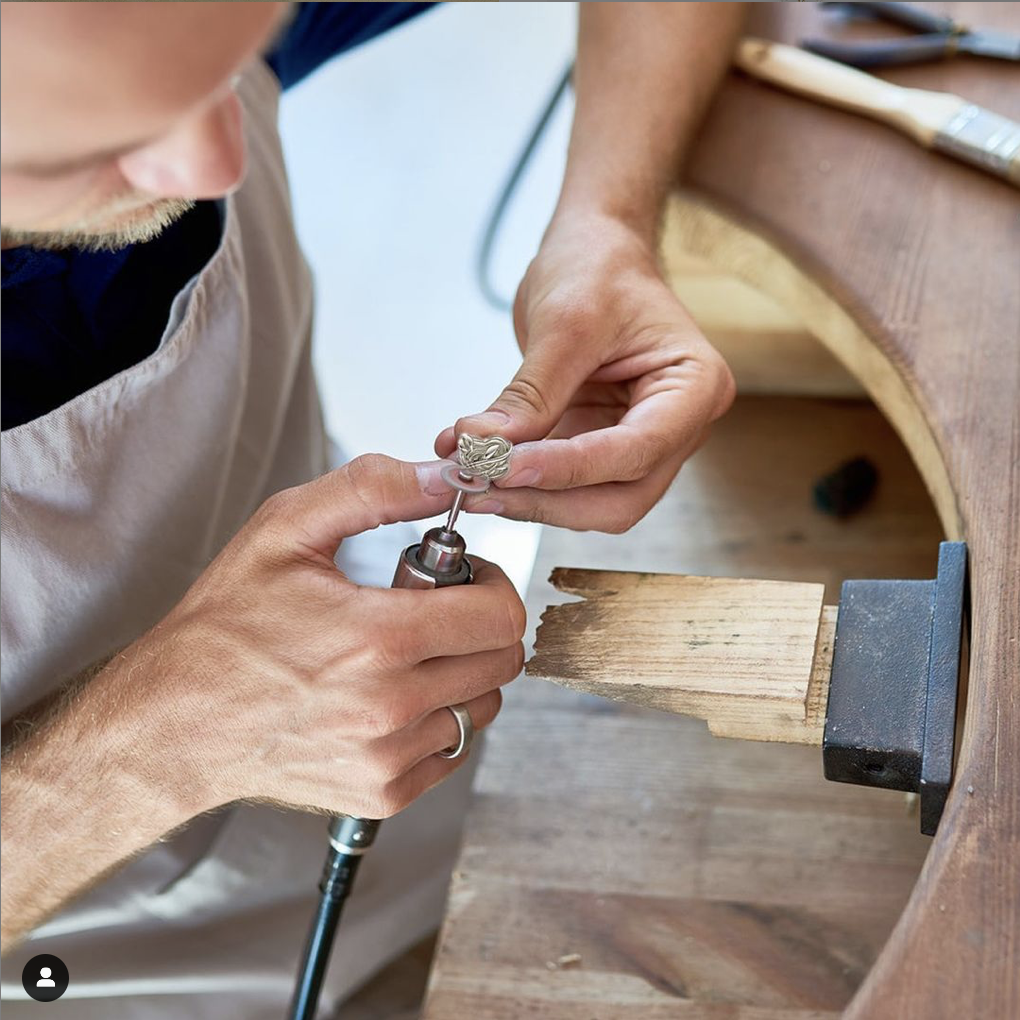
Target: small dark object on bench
(847,489)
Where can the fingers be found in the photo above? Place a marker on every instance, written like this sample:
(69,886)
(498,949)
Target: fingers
(670,411)
(620,453)
(612,507)
(406,764)
(454,680)
(592,444)
(409,626)
(421,767)
(421,778)
(364,493)
(446,442)
(439,729)
(536,397)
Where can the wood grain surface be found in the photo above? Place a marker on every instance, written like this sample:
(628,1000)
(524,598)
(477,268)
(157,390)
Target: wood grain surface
(906,265)
(752,658)
(704,878)
(767,347)
(623,864)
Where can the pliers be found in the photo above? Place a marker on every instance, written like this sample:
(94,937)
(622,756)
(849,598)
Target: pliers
(940,37)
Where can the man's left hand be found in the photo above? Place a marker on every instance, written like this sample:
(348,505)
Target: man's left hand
(617,388)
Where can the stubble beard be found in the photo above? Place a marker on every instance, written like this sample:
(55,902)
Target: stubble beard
(120,223)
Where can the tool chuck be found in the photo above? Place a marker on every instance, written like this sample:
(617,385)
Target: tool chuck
(436,562)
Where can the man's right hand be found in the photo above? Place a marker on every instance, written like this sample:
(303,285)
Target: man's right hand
(275,678)
(288,682)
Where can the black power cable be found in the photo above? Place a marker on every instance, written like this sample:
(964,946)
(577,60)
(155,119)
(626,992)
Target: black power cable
(349,838)
(483,262)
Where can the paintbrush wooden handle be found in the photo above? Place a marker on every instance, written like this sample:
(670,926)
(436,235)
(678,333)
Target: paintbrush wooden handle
(917,112)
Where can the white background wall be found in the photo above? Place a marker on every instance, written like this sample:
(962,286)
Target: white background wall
(396,153)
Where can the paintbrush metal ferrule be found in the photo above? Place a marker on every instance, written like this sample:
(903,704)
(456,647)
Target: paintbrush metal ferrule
(938,120)
(983,138)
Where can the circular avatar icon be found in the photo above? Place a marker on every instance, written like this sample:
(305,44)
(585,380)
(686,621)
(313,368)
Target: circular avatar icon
(45,977)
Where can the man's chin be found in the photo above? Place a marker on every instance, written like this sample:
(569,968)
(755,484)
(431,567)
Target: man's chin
(112,233)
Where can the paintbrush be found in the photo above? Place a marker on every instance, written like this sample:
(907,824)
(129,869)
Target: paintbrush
(936,120)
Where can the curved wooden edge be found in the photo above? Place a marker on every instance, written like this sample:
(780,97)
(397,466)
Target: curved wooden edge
(705,231)
(693,225)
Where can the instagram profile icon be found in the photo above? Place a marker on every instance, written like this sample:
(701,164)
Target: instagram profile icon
(45,977)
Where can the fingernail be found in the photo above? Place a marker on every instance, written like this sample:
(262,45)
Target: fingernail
(488,419)
(445,438)
(523,477)
(430,480)
(487,506)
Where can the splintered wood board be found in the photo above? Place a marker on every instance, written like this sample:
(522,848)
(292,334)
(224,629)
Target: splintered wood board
(738,653)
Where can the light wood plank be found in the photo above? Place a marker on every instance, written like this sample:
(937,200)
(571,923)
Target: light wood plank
(738,653)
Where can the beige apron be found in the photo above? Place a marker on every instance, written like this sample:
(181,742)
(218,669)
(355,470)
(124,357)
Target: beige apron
(111,506)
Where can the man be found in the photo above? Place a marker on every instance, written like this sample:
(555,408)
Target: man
(165,502)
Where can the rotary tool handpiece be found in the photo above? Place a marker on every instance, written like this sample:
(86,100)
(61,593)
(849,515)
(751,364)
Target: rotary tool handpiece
(438,561)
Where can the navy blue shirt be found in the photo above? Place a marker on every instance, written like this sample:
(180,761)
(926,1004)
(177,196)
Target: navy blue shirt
(72,318)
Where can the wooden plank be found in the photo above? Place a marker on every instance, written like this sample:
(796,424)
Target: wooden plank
(395,993)
(738,653)
(904,264)
(695,877)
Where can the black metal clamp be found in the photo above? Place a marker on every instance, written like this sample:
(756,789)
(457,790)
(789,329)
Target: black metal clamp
(891,716)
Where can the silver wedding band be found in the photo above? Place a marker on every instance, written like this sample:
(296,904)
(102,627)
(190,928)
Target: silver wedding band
(467,733)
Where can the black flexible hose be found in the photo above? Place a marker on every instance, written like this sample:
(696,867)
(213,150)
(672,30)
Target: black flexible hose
(337,880)
(483,262)
(340,868)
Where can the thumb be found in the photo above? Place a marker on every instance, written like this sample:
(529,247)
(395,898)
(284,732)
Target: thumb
(368,491)
(533,401)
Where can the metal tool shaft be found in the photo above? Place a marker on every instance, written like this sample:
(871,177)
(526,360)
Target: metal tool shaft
(458,503)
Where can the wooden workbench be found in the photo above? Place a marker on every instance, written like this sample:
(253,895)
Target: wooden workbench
(683,870)
(623,864)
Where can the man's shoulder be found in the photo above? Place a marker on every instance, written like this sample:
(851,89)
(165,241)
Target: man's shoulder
(317,32)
